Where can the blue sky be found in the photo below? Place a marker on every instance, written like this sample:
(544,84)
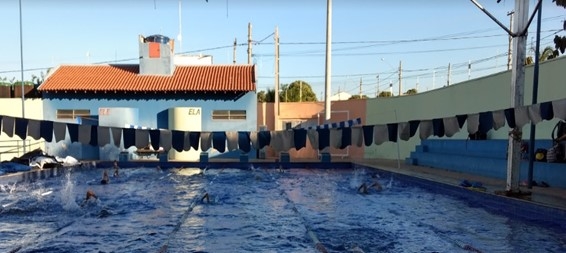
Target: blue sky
(369,37)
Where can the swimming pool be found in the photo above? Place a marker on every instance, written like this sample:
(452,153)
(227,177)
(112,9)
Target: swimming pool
(254,210)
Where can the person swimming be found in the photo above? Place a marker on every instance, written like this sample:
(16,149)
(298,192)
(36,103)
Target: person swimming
(365,188)
(116,169)
(105,178)
(90,195)
(206,196)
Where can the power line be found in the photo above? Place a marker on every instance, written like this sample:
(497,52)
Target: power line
(454,66)
(454,36)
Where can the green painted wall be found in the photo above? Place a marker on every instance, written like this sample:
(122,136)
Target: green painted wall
(487,93)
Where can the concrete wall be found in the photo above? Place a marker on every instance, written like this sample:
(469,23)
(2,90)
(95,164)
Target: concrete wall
(483,94)
(13,107)
(152,113)
(313,114)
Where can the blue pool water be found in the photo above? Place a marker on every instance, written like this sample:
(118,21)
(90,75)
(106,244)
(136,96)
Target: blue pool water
(253,210)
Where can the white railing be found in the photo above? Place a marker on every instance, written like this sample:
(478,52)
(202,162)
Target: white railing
(15,148)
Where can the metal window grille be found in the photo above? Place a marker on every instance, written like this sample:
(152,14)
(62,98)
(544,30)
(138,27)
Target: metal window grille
(229,114)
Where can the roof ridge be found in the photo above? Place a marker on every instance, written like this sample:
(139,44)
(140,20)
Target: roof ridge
(114,77)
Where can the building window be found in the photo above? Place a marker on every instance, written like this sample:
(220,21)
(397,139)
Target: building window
(72,113)
(229,114)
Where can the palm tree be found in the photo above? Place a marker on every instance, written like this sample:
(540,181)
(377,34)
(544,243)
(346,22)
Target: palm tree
(547,54)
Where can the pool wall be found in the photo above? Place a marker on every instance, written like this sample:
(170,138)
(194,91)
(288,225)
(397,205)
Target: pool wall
(487,93)
(486,158)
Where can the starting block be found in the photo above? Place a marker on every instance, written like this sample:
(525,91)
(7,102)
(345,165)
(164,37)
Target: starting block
(284,157)
(244,158)
(325,157)
(203,157)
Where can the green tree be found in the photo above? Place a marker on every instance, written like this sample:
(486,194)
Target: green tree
(261,96)
(411,91)
(384,94)
(560,41)
(297,91)
(358,97)
(267,96)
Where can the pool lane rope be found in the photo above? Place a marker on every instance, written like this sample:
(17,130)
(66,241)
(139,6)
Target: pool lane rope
(196,199)
(317,244)
(457,243)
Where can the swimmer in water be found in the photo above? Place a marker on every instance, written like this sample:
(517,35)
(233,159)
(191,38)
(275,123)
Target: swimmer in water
(116,168)
(205,197)
(364,188)
(105,178)
(89,195)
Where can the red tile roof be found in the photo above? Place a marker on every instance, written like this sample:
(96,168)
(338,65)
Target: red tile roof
(125,78)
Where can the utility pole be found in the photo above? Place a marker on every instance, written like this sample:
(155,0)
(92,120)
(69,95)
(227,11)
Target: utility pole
(328,62)
(234,53)
(22,71)
(377,87)
(400,77)
(276,107)
(509,52)
(249,43)
(534,98)
(448,75)
(517,90)
(300,91)
(360,87)
(469,69)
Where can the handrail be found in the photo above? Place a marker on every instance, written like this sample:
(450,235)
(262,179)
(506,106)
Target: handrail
(18,147)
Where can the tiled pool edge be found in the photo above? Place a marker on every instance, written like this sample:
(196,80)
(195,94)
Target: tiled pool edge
(32,175)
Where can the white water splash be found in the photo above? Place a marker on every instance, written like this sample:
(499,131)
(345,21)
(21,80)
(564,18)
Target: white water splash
(390,183)
(68,194)
(358,178)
